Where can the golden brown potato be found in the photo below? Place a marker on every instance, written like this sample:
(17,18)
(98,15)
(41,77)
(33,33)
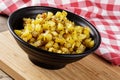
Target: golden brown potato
(55,33)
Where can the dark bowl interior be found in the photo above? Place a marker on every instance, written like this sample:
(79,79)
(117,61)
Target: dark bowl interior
(41,57)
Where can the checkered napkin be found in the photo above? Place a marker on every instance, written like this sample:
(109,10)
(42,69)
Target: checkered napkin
(104,14)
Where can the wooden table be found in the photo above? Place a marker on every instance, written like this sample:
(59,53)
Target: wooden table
(15,62)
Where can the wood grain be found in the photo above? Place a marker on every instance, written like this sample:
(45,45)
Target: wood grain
(4,76)
(3,23)
(16,63)
(90,68)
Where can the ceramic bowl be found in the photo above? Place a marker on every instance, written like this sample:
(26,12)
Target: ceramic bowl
(44,58)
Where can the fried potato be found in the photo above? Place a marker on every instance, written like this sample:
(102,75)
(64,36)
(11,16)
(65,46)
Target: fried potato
(55,33)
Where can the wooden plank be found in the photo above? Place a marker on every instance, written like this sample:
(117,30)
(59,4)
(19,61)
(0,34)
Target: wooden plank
(89,68)
(4,76)
(9,71)
(16,63)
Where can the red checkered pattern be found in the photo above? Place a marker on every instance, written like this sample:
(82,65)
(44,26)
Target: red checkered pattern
(104,14)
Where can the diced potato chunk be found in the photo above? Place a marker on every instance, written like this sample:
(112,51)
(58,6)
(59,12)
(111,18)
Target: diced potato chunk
(55,33)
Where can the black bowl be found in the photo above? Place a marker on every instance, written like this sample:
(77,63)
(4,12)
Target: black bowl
(41,57)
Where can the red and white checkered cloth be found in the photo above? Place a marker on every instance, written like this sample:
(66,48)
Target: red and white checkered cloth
(104,14)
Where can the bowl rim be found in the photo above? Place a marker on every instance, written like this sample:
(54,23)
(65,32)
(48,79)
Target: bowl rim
(45,51)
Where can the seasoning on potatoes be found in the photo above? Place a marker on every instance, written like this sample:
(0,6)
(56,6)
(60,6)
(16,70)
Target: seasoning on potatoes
(55,33)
